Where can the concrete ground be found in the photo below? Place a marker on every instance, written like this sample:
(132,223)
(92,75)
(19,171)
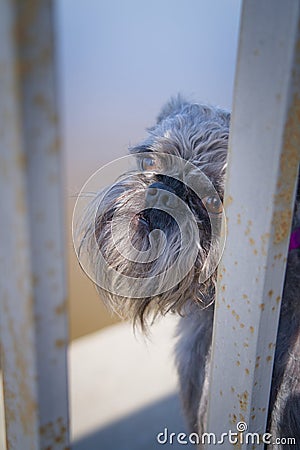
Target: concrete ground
(123,389)
(128,388)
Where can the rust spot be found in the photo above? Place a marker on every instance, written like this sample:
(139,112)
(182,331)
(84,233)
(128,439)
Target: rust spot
(247,371)
(56,144)
(235,315)
(262,306)
(59,343)
(278,299)
(21,161)
(253,417)
(228,306)
(20,202)
(288,166)
(228,200)
(282,223)
(238,219)
(243,400)
(246,344)
(264,240)
(22,377)
(221,393)
(34,280)
(61,309)
(223,288)
(245,296)
(242,325)
(232,389)
(55,432)
(269,358)
(251,329)
(270,293)
(238,363)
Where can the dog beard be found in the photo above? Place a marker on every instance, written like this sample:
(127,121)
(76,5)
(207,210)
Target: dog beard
(161,258)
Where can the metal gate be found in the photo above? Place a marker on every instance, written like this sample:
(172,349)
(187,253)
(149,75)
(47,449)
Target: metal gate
(264,145)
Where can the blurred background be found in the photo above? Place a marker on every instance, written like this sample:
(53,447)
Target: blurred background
(119,62)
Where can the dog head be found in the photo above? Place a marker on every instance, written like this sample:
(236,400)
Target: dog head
(153,237)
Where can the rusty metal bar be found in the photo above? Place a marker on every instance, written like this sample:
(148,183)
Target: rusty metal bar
(32,285)
(262,172)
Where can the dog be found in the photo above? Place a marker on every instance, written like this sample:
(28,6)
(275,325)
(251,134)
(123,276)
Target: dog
(153,239)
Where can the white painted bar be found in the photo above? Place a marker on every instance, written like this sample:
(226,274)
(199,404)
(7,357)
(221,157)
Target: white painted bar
(33,323)
(262,170)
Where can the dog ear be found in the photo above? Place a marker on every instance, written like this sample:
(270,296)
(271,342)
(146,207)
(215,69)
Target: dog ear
(174,106)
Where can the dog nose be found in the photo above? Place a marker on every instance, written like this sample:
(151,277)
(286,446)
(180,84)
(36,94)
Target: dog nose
(160,194)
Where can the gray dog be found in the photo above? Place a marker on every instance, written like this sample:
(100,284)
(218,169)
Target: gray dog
(185,205)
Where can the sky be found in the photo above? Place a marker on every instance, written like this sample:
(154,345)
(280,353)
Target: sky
(120,61)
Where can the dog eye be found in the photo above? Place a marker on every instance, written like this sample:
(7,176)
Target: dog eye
(213,204)
(149,163)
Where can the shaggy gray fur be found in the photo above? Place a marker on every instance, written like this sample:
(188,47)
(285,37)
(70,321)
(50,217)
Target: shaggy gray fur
(196,133)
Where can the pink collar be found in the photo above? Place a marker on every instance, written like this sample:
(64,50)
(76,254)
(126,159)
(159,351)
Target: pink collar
(295,239)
